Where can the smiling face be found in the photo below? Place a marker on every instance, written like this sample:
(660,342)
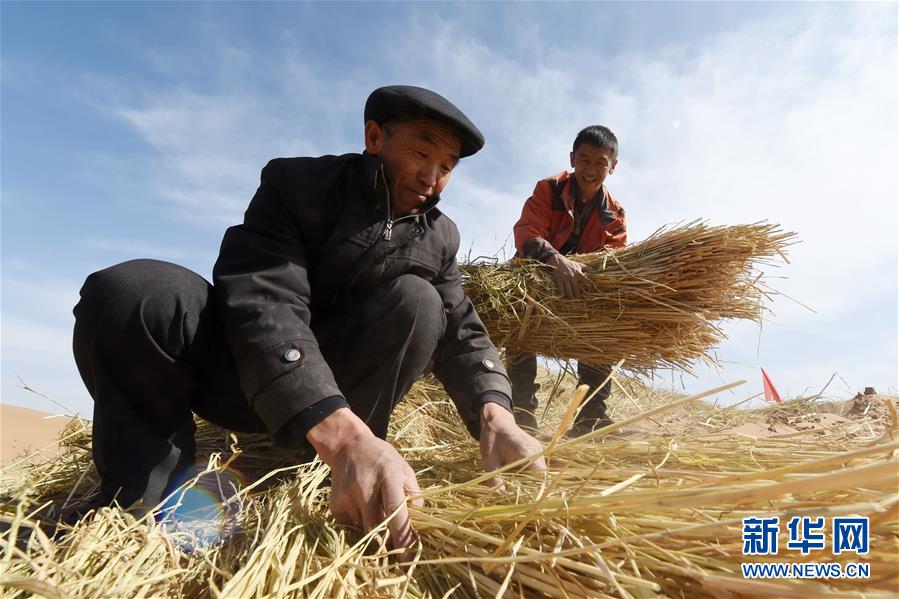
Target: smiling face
(418,155)
(592,164)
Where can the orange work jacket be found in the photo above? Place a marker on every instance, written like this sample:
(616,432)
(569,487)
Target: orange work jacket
(549,214)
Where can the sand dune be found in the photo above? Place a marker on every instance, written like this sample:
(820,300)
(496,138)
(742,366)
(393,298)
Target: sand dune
(23,430)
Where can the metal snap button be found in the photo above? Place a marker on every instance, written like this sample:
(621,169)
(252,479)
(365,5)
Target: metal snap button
(292,355)
(488,363)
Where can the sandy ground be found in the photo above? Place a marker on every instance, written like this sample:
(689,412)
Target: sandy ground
(23,430)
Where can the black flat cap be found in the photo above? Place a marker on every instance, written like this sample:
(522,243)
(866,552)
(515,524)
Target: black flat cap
(399,101)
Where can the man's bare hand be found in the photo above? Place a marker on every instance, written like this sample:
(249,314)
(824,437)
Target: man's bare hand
(503,442)
(568,275)
(369,478)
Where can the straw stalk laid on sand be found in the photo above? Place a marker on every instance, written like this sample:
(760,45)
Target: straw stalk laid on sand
(619,516)
(655,303)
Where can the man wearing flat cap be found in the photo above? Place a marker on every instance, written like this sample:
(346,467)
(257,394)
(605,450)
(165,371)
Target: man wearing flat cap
(331,298)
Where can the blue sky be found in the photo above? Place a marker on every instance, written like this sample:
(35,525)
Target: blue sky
(138,130)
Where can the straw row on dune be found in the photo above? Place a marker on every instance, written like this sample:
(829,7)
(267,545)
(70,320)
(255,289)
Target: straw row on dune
(622,516)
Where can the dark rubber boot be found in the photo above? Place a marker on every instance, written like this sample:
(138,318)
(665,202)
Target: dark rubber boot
(522,370)
(593,414)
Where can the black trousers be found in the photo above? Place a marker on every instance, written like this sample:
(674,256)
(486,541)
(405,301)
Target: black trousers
(151,350)
(522,370)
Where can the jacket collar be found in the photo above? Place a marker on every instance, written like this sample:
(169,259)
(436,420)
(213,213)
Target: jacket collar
(602,200)
(376,188)
(600,197)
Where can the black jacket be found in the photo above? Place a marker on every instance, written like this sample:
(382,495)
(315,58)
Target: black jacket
(314,237)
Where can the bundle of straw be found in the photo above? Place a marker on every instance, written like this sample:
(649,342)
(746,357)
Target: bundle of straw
(614,517)
(655,303)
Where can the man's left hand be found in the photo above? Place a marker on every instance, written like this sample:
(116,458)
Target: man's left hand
(503,442)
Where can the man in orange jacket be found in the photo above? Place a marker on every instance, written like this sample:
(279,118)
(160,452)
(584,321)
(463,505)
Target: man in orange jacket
(570,213)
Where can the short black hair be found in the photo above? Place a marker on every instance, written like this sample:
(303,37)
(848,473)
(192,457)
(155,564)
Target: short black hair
(599,136)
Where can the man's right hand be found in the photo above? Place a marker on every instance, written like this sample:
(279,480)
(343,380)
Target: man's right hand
(369,478)
(568,275)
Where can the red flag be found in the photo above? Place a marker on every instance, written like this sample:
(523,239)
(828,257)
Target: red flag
(771,393)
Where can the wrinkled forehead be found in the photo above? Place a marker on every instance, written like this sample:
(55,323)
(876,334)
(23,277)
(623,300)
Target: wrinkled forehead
(431,132)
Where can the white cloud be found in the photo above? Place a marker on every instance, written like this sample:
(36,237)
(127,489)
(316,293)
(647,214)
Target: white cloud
(203,152)
(47,343)
(135,248)
(209,141)
(40,355)
(36,338)
(28,291)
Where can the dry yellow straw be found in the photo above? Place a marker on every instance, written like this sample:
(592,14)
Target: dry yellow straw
(633,516)
(655,303)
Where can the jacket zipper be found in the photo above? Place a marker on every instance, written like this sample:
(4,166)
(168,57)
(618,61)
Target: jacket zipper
(388,230)
(388,227)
